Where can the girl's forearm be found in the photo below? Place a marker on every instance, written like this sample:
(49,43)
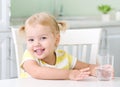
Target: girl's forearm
(51,73)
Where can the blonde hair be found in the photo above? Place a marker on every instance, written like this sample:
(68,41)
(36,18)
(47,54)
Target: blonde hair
(44,19)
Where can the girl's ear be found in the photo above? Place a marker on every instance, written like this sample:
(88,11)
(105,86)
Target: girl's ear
(57,39)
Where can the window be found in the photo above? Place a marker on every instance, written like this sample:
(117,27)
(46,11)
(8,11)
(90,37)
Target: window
(4,14)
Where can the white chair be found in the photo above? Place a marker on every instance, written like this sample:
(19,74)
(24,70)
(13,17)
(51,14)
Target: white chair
(19,45)
(82,43)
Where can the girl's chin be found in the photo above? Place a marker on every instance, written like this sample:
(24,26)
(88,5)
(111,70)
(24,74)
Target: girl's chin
(39,56)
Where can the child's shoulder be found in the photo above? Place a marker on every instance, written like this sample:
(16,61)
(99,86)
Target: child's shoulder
(60,52)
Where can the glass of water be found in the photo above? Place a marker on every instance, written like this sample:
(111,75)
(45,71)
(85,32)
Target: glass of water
(104,72)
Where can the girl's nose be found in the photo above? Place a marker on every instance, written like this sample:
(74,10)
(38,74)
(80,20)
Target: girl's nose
(37,42)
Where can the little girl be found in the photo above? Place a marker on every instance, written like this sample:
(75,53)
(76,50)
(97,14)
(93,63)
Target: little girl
(41,60)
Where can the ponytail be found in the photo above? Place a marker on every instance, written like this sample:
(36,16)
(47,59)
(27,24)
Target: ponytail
(62,25)
(22,31)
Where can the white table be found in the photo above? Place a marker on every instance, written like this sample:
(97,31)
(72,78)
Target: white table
(30,82)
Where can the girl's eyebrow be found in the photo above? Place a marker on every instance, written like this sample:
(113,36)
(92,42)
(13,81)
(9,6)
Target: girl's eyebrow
(43,35)
(29,36)
(37,36)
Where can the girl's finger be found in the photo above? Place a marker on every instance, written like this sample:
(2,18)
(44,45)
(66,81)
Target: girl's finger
(85,69)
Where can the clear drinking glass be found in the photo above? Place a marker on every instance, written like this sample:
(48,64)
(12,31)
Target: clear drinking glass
(104,71)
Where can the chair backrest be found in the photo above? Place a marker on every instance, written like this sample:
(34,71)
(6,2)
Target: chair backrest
(82,43)
(19,45)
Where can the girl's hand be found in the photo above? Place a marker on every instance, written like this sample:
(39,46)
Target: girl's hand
(79,74)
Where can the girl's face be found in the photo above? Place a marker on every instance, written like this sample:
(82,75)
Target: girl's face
(41,42)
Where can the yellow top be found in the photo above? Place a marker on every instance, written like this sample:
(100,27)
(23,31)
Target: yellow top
(63,61)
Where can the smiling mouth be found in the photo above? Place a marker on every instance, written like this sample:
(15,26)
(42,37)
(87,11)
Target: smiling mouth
(39,51)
